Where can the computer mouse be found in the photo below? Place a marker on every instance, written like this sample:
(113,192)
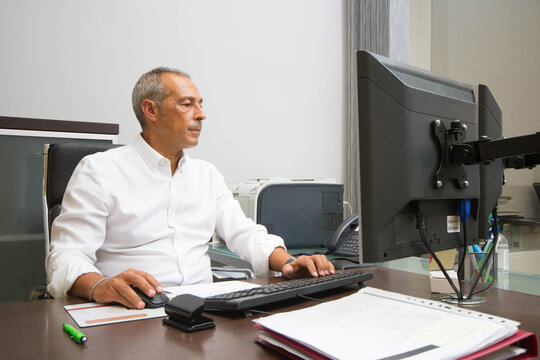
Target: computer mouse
(158,300)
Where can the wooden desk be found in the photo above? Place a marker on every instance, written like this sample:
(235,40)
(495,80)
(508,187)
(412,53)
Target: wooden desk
(34,329)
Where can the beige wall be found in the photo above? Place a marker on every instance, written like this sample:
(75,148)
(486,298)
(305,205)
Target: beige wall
(495,42)
(420,34)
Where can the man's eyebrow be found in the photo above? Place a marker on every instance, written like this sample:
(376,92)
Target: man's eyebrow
(191,98)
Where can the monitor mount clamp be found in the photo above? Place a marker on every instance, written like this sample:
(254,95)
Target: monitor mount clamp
(449,168)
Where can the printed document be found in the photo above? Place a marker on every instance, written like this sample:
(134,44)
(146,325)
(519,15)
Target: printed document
(377,324)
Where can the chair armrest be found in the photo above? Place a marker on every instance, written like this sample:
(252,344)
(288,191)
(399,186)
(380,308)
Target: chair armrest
(247,272)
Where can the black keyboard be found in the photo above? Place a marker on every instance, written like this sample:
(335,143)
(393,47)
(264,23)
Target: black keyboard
(349,247)
(267,294)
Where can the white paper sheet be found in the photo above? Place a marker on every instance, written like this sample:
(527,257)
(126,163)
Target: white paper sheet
(92,314)
(210,289)
(374,324)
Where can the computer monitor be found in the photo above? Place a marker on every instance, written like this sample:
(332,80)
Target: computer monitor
(492,172)
(406,119)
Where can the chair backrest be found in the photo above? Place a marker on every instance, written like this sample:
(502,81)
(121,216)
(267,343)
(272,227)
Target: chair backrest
(60,160)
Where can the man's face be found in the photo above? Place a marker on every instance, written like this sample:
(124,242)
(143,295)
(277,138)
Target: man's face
(180,116)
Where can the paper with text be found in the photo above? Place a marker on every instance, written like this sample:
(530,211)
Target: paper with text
(375,324)
(92,314)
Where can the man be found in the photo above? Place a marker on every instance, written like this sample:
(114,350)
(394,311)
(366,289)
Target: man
(142,215)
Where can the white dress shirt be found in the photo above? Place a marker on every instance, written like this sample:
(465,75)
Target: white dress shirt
(122,209)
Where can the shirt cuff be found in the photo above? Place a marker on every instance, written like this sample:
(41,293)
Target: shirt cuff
(64,278)
(268,244)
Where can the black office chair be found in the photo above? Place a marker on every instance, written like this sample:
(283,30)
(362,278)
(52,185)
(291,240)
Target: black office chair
(59,162)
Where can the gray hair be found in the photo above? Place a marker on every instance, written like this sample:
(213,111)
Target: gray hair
(149,86)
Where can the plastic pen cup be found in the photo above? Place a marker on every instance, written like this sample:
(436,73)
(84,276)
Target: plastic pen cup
(473,264)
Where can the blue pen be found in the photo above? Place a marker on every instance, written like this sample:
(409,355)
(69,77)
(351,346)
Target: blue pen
(477,249)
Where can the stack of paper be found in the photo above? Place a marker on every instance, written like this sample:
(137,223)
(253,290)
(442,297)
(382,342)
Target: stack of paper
(377,324)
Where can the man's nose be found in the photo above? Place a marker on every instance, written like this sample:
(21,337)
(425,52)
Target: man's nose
(199,113)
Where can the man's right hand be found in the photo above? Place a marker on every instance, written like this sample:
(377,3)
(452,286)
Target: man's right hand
(117,289)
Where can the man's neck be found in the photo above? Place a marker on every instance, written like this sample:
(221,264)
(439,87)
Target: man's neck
(170,152)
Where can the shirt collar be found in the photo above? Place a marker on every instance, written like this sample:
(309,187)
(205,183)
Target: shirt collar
(152,158)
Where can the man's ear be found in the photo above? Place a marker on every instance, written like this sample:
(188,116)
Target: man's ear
(150,110)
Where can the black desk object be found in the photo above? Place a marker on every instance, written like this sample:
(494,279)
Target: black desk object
(290,289)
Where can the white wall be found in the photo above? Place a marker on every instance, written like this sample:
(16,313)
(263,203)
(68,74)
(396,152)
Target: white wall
(495,42)
(272,73)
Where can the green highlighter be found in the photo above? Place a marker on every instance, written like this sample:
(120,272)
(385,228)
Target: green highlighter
(75,334)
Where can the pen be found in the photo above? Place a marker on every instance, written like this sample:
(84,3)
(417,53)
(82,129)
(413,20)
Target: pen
(487,249)
(477,249)
(75,334)
(470,250)
(487,246)
(488,269)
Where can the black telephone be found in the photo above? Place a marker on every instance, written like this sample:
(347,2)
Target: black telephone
(345,238)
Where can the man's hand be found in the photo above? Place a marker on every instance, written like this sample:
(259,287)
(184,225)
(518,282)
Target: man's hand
(117,289)
(305,266)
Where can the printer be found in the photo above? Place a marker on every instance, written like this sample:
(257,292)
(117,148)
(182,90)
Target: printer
(305,213)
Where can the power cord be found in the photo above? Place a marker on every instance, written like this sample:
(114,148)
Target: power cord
(312,298)
(464,212)
(261,312)
(421,226)
(349,205)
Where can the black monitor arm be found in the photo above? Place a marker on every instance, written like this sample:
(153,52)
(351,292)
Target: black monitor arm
(517,152)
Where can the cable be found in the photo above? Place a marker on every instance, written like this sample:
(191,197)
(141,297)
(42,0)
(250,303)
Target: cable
(464,212)
(460,268)
(262,312)
(421,226)
(311,298)
(481,290)
(350,207)
(442,297)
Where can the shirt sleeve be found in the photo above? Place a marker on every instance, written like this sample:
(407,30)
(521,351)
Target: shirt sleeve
(241,234)
(78,231)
